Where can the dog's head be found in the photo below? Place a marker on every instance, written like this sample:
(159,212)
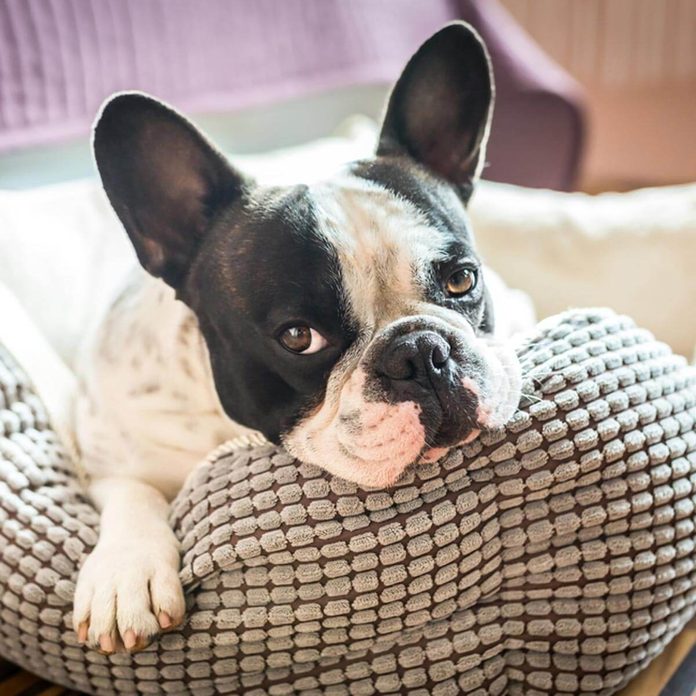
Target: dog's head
(348,320)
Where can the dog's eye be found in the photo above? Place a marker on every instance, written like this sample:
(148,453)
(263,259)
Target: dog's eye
(461,282)
(302,339)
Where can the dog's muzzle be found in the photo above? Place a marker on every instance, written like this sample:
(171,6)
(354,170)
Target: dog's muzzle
(439,369)
(422,385)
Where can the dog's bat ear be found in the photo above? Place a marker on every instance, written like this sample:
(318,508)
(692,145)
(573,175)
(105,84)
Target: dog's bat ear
(440,109)
(164,180)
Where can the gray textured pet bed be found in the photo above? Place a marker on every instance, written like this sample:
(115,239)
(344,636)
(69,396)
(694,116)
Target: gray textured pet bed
(556,556)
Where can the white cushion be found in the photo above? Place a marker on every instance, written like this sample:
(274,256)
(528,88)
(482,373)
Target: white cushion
(634,252)
(52,380)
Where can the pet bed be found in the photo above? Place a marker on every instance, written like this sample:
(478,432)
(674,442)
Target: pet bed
(554,556)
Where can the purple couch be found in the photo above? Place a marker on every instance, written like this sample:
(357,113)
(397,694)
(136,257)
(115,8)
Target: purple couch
(60,58)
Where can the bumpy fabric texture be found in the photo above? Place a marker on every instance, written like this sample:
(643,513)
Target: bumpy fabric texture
(554,556)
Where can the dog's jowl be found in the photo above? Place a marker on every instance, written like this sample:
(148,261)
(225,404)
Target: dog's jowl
(349,320)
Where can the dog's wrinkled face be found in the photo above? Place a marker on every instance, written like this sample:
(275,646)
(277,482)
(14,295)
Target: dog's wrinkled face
(348,319)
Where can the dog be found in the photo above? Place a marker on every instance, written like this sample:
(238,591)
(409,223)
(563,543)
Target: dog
(348,320)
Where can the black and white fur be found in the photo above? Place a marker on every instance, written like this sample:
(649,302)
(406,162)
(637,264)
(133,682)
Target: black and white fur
(189,356)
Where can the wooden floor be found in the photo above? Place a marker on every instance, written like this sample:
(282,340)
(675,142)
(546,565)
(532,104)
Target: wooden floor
(16,682)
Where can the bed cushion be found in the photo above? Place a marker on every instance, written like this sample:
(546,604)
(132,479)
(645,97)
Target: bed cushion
(631,251)
(554,556)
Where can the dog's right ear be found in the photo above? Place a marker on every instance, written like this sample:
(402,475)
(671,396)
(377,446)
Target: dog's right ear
(164,180)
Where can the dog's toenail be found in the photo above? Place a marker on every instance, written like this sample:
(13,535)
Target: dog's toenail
(82,632)
(165,621)
(106,643)
(129,639)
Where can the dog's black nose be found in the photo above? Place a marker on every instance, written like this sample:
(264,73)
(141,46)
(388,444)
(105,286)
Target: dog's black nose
(418,356)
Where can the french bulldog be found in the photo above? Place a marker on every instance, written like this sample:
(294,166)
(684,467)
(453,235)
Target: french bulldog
(348,320)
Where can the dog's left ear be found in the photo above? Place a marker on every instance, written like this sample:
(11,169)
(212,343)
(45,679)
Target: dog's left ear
(440,110)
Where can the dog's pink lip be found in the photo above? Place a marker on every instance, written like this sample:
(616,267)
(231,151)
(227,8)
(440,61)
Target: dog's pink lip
(471,437)
(433,454)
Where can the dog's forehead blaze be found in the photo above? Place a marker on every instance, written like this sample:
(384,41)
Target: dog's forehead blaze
(385,245)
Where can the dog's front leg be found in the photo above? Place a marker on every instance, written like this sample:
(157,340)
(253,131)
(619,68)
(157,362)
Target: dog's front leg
(128,589)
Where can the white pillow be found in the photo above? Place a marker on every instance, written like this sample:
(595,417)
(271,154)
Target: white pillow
(62,250)
(53,381)
(634,252)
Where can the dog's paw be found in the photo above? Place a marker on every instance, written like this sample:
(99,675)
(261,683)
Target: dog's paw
(126,596)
